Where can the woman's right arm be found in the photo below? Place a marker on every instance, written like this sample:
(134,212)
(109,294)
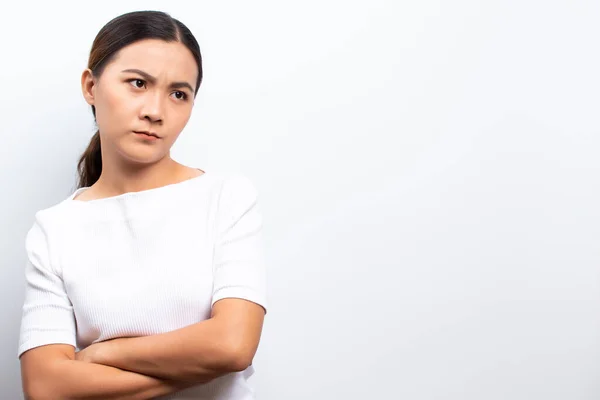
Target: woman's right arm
(51,372)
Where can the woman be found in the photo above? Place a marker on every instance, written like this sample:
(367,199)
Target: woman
(151,269)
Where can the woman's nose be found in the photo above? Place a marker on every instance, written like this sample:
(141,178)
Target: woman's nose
(153,108)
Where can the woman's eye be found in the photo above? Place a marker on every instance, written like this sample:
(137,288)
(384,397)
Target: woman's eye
(138,83)
(180,95)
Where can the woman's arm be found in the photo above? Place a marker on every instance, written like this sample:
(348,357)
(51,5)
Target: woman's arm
(51,372)
(222,344)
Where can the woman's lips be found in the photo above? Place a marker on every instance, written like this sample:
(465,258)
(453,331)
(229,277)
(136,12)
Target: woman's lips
(147,135)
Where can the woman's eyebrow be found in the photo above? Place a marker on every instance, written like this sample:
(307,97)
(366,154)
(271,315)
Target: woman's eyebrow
(151,79)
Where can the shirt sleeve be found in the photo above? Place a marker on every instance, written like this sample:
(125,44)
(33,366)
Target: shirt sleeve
(48,316)
(239,262)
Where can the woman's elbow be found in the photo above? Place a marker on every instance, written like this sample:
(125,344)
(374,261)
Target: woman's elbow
(40,388)
(34,385)
(238,357)
(239,364)
(36,391)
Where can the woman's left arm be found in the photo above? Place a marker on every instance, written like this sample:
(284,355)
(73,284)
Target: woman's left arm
(198,353)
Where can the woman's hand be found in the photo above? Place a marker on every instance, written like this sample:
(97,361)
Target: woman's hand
(97,352)
(103,352)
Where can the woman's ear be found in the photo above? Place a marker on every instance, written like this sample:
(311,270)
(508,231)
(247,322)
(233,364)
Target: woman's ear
(88,86)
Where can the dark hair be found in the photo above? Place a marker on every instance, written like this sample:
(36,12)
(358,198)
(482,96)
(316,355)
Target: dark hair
(115,35)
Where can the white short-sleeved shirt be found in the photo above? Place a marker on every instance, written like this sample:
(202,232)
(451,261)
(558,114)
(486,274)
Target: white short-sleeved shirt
(144,263)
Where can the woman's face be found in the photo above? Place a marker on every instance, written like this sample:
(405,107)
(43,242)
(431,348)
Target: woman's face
(148,86)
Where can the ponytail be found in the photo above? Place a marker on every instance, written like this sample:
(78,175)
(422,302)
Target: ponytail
(90,163)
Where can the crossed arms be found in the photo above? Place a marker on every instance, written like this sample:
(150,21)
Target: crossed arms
(149,366)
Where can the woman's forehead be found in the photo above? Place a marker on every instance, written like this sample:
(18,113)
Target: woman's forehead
(157,57)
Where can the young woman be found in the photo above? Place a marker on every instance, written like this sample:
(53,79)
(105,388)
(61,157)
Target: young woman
(149,280)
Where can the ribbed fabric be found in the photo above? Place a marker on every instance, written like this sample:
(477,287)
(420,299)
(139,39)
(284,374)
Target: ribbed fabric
(144,263)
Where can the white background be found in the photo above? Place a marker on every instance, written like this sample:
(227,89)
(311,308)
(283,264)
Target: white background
(428,171)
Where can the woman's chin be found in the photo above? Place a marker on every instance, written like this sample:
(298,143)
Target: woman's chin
(141,154)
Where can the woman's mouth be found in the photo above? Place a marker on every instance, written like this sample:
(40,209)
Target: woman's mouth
(146,135)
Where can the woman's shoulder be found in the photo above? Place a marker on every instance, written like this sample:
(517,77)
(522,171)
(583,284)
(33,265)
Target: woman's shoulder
(237,187)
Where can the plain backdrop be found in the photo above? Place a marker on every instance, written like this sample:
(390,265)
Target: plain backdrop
(428,172)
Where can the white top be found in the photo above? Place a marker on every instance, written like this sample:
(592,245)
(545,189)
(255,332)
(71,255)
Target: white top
(144,263)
